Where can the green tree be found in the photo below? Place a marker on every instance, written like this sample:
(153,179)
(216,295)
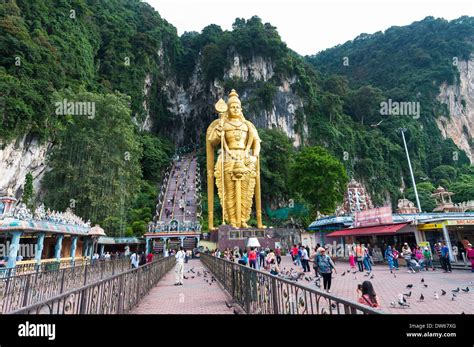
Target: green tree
(444,172)
(463,188)
(364,103)
(425,190)
(96,161)
(157,154)
(319,178)
(28,190)
(276,155)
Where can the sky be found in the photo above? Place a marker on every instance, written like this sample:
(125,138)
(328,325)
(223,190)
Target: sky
(309,26)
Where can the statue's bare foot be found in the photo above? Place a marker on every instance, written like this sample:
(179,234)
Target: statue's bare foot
(244,225)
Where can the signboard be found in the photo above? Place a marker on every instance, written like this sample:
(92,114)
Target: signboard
(374,216)
(461,222)
(430,226)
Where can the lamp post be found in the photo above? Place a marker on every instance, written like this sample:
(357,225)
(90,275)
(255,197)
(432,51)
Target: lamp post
(402,130)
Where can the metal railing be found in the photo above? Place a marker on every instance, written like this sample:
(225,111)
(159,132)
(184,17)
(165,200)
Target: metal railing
(28,289)
(258,292)
(117,294)
(46,265)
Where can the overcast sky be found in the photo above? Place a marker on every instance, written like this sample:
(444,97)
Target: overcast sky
(309,26)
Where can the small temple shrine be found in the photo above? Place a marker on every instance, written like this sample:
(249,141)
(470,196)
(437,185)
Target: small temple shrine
(406,206)
(43,236)
(445,204)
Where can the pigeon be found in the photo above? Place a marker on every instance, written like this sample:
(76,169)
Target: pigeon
(422,297)
(410,286)
(443,292)
(318,284)
(210,283)
(348,271)
(408,295)
(392,303)
(235,311)
(425,285)
(354,272)
(436,296)
(403,302)
(343,274)
(366,275)
(185,277)
(333,306)
(422,280)
(371,277)
(192,276)
(455,290)
(395,276)
(228,305)
(192,270)
(465,290)
(199,274)
(454,295)
(307,279)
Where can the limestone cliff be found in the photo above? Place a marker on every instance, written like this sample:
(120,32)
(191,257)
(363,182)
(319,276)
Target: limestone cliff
(459,98)
(19,157)
(193,110)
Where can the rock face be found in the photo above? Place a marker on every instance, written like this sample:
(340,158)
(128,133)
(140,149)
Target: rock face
(17,159)
(193,106)
(460,101)
(147,123)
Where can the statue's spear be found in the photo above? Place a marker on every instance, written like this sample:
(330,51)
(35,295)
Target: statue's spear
(221,108)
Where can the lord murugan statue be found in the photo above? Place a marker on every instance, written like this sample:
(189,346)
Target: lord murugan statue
(237,170)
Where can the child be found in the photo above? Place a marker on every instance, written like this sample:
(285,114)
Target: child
(352,262)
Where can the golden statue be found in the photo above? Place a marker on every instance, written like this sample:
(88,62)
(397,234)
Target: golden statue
(238,159)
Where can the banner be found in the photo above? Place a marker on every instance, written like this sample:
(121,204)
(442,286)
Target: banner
(374,216)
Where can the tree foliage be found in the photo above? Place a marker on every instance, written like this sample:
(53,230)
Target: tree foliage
(319,178)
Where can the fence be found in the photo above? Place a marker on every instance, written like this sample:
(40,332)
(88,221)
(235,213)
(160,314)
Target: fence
(258,292)
(117,294)
(46,265)
(27,289)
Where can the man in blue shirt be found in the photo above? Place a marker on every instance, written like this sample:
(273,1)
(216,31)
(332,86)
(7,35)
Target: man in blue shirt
(445,261)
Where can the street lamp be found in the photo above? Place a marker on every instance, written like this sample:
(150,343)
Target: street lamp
(402,130)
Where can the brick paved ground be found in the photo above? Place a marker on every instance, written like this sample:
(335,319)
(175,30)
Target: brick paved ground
(388,287)
(196,296)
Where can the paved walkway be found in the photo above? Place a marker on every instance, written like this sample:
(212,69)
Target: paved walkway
(196,296)
(388,287)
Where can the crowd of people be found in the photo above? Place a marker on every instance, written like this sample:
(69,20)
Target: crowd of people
(267,259)
(416,258)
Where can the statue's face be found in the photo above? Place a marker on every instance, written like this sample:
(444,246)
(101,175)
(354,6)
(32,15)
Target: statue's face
(235,110)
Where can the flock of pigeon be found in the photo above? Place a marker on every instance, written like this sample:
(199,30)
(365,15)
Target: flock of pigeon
(296,276)
(402,302)
(402,298)
(206,275)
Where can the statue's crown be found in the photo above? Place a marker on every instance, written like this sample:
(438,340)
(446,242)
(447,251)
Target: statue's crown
(233,97)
